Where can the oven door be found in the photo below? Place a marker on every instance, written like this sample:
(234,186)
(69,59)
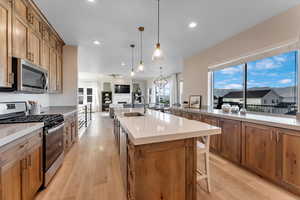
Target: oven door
(53,145)
(31,78)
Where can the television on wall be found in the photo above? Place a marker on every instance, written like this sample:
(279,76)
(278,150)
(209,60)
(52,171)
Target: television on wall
(122,89)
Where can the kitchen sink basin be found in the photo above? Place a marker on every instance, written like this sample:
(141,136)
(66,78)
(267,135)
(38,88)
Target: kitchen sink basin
(133,114)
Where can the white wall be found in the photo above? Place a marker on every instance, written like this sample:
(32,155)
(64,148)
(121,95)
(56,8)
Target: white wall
(270,33)
(70,79)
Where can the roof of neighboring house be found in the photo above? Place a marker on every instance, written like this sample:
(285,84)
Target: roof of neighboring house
(250,94)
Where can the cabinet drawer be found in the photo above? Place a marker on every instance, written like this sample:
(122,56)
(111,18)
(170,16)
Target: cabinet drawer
(13,151)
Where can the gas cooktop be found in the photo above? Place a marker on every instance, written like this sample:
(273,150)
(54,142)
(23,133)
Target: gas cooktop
(49,120)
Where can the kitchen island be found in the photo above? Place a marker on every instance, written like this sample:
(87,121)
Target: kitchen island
(158,153)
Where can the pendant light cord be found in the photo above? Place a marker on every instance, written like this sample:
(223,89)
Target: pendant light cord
(132,58)
(142,46)
(158,17)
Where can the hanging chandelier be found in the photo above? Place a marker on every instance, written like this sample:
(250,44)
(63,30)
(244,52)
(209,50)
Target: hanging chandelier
(132,60)
(160,81)
(141,64)
(158,54)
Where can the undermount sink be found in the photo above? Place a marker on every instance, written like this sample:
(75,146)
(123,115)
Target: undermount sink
(133,114)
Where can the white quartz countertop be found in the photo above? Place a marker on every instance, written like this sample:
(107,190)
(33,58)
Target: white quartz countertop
(288,122)
(157,127)
(12,132)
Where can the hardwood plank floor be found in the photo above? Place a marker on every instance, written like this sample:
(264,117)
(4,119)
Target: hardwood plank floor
(91,171)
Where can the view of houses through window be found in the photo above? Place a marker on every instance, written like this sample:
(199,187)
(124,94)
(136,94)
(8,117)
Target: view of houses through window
(267,85)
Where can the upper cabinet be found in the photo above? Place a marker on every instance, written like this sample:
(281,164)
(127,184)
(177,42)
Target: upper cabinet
(5,41)
(26,34)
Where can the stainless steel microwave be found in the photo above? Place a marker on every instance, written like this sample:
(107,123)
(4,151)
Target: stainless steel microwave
(27,77)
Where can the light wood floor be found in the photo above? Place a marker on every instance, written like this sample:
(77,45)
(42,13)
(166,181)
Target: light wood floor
(91,172)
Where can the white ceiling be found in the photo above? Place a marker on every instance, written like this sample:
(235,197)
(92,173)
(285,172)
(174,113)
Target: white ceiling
(115,22)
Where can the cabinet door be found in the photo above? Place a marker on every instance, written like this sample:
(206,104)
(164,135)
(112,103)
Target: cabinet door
(5,41)
(11,188)
(215,140)
(52,70)
(19,39)
(290,157)
(34,171)
(34,47)
(45,55)
(231,139)
(260,149)
(59,74)
(123,156)
(20,9)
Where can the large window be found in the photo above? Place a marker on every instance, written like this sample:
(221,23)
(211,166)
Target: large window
(268,85)
(163,95)
(228,86)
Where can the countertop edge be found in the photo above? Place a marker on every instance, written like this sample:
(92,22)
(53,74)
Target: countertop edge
(19,134)
(243,118)
(169,138)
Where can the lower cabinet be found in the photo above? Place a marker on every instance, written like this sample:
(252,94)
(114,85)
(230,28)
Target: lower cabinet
(11,185)
(271,152)
(70,131)
(21,168)
(231,139)
(260,149)
(289,157)
(215,140)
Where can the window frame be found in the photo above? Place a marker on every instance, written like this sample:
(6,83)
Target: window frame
(245,79)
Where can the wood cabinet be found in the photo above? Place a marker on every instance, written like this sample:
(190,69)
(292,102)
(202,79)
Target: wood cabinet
(53,71)
(5,41)
(45,55)
(260,149)
(215,140)
(26,34)
(20,9)
(160,170)
(289,158)
(58,73)
(33,51)
(11,187)
(21,168)
(70,131)
(123,156)
(231,139)
(19,39)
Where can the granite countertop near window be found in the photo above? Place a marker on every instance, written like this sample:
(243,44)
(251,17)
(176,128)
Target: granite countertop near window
(64,110)
(12,132)
(288,122)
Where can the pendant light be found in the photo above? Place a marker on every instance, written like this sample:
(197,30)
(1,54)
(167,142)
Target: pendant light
(161,81)
(132,60)
(157,54)
(141,64)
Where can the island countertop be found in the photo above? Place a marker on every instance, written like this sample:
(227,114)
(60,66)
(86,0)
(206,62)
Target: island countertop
(156,127)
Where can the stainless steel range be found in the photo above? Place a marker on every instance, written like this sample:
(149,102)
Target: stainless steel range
(53,151)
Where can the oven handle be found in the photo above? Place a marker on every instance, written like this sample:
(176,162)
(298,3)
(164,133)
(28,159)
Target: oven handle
(55,129)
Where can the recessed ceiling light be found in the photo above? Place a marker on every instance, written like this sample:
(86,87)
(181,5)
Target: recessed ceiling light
(91,0)
(96,42)
(123,64)
(192,24)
